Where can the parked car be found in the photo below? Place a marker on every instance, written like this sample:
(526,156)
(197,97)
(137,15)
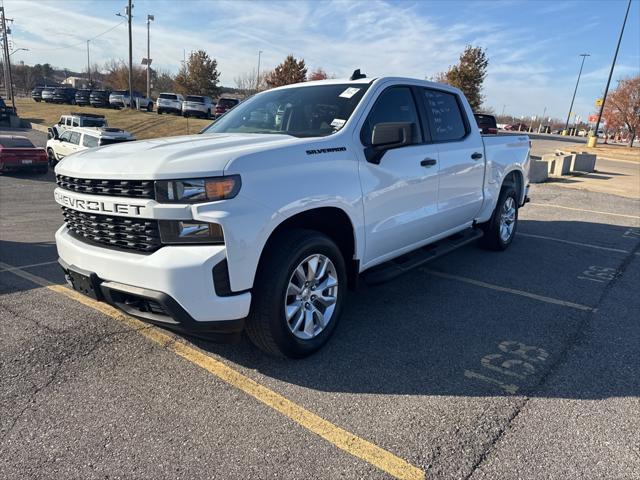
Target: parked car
(99,98)
(197,105)
(121,99)
(486,123)
(76,139)
(47,94)
(36,94)
(83,97)
(263,223)
(225,104)
(6,111)
(64,95)
(170,103)
(517,127)
(79,119)
(18,153)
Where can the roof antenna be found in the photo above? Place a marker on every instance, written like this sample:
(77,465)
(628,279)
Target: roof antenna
(356,75)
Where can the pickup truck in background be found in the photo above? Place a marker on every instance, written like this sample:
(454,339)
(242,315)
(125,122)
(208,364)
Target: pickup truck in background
(266,219)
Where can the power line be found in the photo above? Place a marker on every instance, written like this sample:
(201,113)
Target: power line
(83,42)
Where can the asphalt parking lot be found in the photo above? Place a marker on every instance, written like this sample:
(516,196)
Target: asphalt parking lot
(522,364)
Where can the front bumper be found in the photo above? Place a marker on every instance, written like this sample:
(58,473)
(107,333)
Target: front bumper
(179,279)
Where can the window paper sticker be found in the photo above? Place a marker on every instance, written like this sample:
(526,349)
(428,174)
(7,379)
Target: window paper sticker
(338,123)
(349,92)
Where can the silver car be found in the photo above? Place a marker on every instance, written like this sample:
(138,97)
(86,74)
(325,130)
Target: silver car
(197,105)
(170,102)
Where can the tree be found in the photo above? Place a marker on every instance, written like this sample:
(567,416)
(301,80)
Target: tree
(622,108)
(162,81)
(199,76)
(288,72)
(248,82)
(117,76)
(468,75)
(318,74)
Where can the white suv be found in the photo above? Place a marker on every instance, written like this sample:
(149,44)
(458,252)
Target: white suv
(197,105)
(80,120)
(76,139)
(170,102)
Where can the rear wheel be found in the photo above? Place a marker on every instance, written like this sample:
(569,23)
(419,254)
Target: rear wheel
(52,157)
(298,296)
(500,230)
(149,107)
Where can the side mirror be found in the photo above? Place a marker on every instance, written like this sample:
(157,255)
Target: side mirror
(386,136)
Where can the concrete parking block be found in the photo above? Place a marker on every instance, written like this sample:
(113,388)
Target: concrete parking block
(583,162)
(539,172)
(562,163)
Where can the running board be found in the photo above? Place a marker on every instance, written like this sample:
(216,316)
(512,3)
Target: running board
(396,267)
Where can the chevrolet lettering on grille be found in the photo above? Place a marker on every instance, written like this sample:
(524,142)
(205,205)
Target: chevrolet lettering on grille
(97,206)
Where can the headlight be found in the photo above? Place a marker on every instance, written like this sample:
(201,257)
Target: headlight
(196,190)
(190,231)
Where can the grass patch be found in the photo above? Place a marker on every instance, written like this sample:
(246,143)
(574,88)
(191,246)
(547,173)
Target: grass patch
(618,152)
(141,124)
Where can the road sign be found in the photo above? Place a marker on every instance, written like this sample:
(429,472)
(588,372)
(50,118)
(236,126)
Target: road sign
(593,118)
(598,102)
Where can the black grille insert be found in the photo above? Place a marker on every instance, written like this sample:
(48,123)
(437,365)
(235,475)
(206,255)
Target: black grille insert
(115,232)
(119,188)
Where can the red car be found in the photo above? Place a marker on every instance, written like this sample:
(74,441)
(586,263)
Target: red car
(18,153)
(517,127)
(224,105)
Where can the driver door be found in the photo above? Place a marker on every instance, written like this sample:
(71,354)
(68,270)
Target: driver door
(400,194)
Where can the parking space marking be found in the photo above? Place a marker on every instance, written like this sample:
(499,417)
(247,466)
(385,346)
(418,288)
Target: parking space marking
(569,242)
(9,268)
(584,210)
(347,441)
(498,288)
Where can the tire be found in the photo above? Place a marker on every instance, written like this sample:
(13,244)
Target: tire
(495,237)
(149,107)
(267,326)
(159,112)
(52,157)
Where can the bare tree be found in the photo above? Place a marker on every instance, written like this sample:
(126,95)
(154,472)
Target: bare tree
(248,82)
(622,108)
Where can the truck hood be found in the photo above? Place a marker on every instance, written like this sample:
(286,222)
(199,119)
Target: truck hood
(166,158)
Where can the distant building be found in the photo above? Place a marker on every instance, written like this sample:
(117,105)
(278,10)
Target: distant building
(79,82)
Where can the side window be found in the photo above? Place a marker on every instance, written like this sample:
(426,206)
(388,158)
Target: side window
(61,121)
(447,118)
(75,138)
(89,141)
(65,137)
(76,123)
(393,105)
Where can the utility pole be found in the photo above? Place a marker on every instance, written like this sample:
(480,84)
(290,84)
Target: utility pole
(7,74)
(258,74)
(594,139)
(150,18)
(88,65)
(129,15)
(566,126)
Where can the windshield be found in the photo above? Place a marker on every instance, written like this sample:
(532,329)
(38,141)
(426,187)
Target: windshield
(94,122)
(313,111)
(16,142)
(195,98)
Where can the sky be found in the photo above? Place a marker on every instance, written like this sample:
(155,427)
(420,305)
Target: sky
(533,46)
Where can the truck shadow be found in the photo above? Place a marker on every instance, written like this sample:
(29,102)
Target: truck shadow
(424,335)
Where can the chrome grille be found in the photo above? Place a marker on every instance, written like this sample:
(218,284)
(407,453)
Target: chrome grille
(118,188)
(116,232)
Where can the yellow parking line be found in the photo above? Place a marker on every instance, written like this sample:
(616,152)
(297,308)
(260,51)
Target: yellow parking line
(350,443)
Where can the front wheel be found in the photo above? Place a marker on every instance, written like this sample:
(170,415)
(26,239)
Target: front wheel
(298,294)
(501,228)
(53,161)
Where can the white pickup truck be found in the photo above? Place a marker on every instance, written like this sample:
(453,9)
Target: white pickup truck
(264,220)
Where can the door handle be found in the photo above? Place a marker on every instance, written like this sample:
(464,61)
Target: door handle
(428,162)
(476,155)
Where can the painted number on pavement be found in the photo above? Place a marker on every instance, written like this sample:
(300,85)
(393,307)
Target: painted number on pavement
(598,274)
(516,361)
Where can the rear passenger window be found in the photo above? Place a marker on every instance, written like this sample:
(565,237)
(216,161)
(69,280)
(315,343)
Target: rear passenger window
(393,105)
(76,123)
(68,122)
(89,141)
(75,138)
(448,122)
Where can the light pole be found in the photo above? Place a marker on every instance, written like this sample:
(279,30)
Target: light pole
(542,119)
(594,139)
(566,126)
(128,15)
(258,75)
(150,18)
(503,109)
(17,50)
(88,65)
